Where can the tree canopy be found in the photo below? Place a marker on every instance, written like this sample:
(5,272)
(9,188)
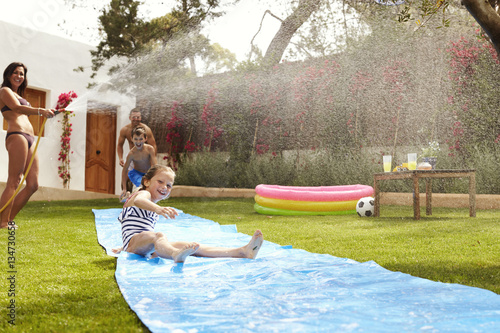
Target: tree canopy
(127,35)
(422,13)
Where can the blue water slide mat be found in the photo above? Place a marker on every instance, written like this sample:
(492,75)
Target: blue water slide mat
(284,289)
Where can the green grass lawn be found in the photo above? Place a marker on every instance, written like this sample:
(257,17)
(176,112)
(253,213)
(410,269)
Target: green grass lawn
(65,281)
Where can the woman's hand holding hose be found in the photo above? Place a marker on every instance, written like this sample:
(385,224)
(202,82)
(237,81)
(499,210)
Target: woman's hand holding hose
(47,113)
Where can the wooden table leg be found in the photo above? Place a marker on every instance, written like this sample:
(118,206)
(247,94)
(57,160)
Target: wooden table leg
(428,196)
(472,194)
(376,212)
(416,198)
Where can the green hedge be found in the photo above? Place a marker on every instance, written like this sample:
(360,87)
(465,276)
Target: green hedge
(320,168)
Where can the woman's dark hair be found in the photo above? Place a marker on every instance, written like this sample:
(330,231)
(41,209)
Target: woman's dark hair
(7,73)
(153,171)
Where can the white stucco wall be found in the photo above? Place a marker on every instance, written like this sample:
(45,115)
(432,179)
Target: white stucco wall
(124,104)
(51,61)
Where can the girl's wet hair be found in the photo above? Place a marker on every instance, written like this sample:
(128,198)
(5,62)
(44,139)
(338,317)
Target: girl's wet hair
(7,73)
(153,171)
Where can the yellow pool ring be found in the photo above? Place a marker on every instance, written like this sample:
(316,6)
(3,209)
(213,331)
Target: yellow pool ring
(310,206)
(284,212)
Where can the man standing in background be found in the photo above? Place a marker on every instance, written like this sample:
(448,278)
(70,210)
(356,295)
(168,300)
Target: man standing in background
(126,134)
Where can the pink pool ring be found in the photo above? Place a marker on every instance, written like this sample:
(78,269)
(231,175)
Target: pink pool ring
(306,200)
(315,193)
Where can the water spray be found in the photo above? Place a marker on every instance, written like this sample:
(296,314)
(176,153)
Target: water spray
(74,105)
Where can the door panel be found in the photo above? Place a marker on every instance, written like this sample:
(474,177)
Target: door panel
(100,149)
(37,100)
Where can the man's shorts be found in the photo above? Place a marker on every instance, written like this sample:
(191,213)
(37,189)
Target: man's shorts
(136,177)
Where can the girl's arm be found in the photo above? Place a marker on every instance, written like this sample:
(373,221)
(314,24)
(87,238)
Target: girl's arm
(143,200)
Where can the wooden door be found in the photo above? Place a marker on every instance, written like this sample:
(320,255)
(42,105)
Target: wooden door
(100,149)
(37,100)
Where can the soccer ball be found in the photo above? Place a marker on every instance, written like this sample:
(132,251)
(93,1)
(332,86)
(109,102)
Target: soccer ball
(365,206)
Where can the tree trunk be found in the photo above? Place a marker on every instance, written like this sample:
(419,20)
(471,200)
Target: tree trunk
(193,65)
(288,28)
(487,17)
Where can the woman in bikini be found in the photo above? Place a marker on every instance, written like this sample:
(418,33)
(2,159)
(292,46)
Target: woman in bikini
(18,141)
(140,213)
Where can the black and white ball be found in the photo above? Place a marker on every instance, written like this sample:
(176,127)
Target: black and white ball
(365,206)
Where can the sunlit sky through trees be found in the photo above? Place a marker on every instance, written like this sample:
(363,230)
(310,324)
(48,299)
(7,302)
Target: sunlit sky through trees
(78,20)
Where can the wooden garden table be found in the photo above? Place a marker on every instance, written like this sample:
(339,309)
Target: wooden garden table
(428,175)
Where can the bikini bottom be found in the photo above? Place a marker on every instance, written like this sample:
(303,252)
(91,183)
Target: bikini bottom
(28,137)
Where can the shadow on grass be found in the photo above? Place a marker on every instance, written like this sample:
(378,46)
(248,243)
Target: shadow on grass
(480,276)
(78,311)
(108,263)
(410,219)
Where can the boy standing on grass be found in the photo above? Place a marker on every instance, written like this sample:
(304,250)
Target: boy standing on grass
(143,157)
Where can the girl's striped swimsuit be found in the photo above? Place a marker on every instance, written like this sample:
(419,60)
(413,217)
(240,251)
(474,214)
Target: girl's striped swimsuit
(135,220)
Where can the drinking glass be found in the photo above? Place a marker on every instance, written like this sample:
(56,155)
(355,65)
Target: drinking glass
(387,163)
(412,161)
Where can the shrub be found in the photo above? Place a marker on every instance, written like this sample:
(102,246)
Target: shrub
(322,168)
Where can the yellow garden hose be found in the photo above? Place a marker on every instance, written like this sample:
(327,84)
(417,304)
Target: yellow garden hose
(29,166)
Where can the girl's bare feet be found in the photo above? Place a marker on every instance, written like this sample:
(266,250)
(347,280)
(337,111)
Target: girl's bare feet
(253,247)
(117,250)
(181,254)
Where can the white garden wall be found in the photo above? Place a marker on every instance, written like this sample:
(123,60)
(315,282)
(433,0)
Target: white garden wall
(51,61)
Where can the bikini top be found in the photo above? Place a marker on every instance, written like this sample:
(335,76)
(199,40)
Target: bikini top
(21,100)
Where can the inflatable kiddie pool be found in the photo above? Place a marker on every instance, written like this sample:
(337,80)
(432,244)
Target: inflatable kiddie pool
(309,200)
